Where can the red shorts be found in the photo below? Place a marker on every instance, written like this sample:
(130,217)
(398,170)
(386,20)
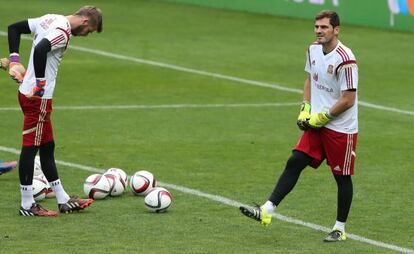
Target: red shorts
(337,148)
(37,127)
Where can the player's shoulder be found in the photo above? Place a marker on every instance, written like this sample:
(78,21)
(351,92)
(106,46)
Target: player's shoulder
(314,45)
(51,21)
(344,53)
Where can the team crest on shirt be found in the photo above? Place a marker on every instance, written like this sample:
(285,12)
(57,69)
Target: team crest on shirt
(330,69)
(313,62)
(315,76)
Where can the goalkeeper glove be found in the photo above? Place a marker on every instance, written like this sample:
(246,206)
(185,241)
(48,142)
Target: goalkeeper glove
(304,115)
(16,69)
(4,63)
(39,89)
(319,120)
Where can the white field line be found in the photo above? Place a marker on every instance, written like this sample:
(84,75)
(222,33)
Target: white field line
(166,106)
(214,75)
(234,203)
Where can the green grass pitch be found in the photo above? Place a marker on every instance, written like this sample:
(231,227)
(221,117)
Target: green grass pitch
(232,152)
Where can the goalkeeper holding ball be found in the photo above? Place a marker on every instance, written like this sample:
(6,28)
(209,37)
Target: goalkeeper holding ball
(52,33)
(329,119)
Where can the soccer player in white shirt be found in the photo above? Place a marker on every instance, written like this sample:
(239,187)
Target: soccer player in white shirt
(329,119)
(51,37)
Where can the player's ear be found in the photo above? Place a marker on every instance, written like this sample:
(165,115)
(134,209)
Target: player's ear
(85,21)
(336,30)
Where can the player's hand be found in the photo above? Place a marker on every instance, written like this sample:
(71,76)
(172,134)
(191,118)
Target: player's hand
(304,115)
(319,120)
(17,72)
(38,90)
(4,63)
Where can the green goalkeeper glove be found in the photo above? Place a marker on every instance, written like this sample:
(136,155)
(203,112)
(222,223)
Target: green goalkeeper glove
(304,115)
(319,120)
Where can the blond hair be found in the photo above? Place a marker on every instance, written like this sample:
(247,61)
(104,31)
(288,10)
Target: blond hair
(94,14)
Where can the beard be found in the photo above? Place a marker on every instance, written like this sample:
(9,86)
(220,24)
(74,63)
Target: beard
(76,31)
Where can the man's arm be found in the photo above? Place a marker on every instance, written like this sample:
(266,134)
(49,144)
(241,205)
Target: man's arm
(16,69)
(346,101)
(306,88)
(14,32)
(40,56)
(39,62)
(305,108)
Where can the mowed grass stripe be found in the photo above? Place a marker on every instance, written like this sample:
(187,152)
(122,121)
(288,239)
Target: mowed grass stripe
(234,203)
(166,106)
(216,75)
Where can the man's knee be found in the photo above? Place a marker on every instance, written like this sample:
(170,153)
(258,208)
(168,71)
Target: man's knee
(298,161)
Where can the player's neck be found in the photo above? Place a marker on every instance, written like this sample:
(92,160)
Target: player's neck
(74,21)
(328,47)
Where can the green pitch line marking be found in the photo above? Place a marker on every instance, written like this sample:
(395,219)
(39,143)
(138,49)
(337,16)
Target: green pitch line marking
(214,75)
(234,203)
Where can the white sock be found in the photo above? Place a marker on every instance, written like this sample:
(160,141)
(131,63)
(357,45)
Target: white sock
(340,226)
(61,195)
(269,206)
(27,196)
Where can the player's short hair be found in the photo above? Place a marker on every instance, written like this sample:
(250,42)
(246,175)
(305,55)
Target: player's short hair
(94,14)
(331,15)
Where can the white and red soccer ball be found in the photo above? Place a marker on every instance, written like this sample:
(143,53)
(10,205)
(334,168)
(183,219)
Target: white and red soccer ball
(38,173)
(142,182)
(123,176)
(40,187)
(37,167)
(121,180)
(97,186)
(116,186)
(158,200)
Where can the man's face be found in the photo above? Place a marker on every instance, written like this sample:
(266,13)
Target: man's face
(324,31)
(84,29)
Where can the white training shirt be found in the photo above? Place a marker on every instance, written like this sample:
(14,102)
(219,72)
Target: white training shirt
(331,74)
(56,29)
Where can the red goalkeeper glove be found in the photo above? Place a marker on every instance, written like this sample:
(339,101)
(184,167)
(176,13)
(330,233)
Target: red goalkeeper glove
(39,89)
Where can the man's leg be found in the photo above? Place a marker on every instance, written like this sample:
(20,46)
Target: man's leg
(66,204)
(35,113)
(287,181)
(340,153)
(26,167)
(345,193)
(47,160)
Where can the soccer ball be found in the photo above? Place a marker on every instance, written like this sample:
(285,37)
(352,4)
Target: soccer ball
(39,188)
(111,179)
(49,191)
(96,186)
(117,187)
(37,167)
(158,200)
(123,177)
(142,182)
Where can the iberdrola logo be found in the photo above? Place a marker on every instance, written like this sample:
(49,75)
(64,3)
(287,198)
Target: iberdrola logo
(404,7)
